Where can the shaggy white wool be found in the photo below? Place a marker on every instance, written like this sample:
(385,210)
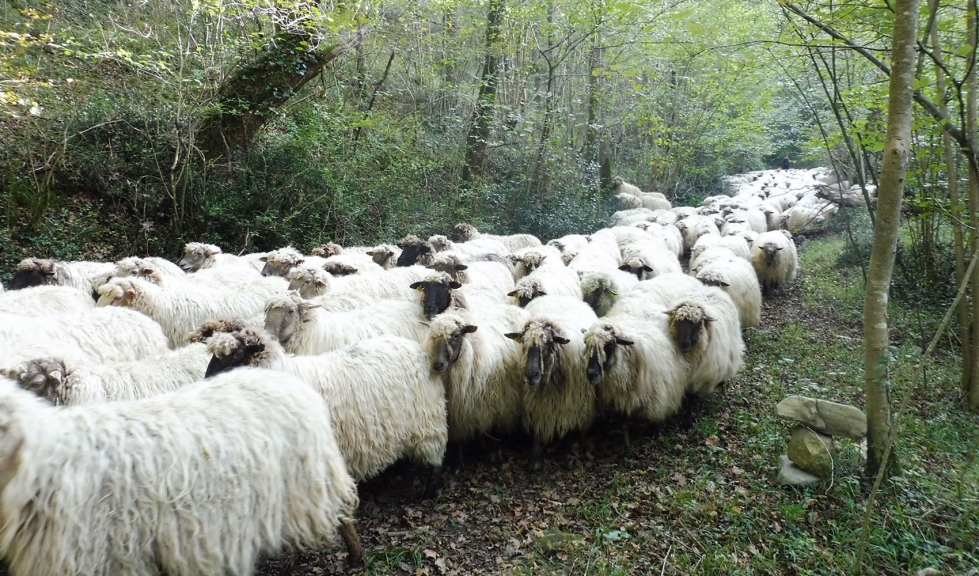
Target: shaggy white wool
(46,301)
(780,246)
(720,350)
(737,278)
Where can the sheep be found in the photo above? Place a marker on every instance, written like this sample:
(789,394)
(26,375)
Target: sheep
(480,368)
(200,256)
(46,272)
(132,266)
(736,276)
(66,383)
(708,332)
(708,253)
(348,264)
(385,255)
(279,262)
(666,236)
(693,227)
(393,283)
(414,250)
(494,273)
(601,290)
(620,186)
(205,480)
(440,291)
(651,297)
(45,301)
(645,261)
(683,212)
(568,242)
(630,216)
(637,368)
(530,259)
(556,280)
(327,250)
(468,233)
(655,201)
(775,259)
(599,255)
(303,328)
(736,243)
(630,200)
(181,307)
(384,400)
(212,327)
(97,335)
(557,397)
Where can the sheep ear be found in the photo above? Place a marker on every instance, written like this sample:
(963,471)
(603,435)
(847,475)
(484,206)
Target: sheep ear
(560,339)
(646,268)
(723,283)
(515,336)
(469,329)
(584,330)
(623,342)
(460,267)
(514,293)
(212,251)
(130,292)
(780,247)
(624,267)
(455,285)
(708,320)
(417,286)
(263,259)
(612,293)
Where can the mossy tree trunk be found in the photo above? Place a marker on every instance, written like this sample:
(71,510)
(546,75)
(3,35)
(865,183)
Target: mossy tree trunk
(255,90)
(893,172)
(477,138)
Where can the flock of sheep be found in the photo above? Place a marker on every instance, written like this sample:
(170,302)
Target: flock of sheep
(201,414)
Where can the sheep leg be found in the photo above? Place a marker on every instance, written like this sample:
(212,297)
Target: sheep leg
(432,487)
(355,550)
(457,454)
(630,453)
(536,455)
(689,402)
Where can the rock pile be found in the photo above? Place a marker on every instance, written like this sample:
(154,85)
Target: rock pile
(811,449)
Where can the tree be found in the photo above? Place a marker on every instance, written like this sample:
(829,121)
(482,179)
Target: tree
(477,139)
(893,172)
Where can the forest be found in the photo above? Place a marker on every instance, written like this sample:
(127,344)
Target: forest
(133,128)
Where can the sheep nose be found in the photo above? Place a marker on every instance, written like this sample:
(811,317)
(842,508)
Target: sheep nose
(440,367)
(595,376)
(534,379)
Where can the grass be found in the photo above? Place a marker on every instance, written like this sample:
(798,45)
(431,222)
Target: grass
(707,502)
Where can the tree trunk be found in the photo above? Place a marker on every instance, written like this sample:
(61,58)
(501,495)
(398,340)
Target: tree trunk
(253,92)
(951,175)
(892,177)
(591,134)
(971,118)
(482,118)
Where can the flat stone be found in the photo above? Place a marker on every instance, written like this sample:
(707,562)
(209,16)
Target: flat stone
(812,451)
(826,417)
(791,475)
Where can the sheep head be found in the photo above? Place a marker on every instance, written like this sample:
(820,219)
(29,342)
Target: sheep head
(47,378)
(414,250)
(771,251)
(440,243)
(327,250)
(598,291)
(689,323)
(118,292)
(526,290)
(711,278)
(436,293)
(339,269)
(452,265)
(601,341)
(309,282)
(541,344)
(283,315)
(212,327)
(464,232)
(382,255)
(638,267)
(196,255)
(530,260)
(280,262)
(129,266)
(34,272)
(446,339)
(233,349)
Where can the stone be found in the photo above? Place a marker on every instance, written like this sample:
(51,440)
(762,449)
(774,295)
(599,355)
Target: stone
(826,417)
(812,451)
(791,475)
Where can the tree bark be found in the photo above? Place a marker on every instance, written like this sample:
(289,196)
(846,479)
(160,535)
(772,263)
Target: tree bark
(254,91)
(482,119)
(971,128)
(892,178)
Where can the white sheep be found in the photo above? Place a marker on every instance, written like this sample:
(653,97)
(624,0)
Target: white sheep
(394,283)
(775,259)
(648,259)
(384,400)
(385,255)
(481,369)
(637,367)
(554,279)
(493,273)
(654,296)
(46,272)
(568,242)
(736,243)
(527,260)
(200,256)
(96,335)
(66,383)
(45,301)
(707,329)
(737,277)
(133,265)
(599,255)
(468,233)
(693,227)
(279,262)
(202,481)
(708,253)
(182,306)
(557,396)
(620,186)
(303,328)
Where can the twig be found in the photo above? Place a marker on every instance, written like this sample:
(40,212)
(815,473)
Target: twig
(665,558)
(865,533)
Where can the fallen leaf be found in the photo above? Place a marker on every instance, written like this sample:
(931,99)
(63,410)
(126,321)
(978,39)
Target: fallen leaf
(431,554)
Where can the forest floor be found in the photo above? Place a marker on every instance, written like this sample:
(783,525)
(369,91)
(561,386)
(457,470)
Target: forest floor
(707,501)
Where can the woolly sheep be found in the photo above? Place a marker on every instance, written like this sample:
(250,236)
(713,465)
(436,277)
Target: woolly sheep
(132,266)
(737,278)
(327,250)
(682,212)
(556,280)
(200,256)
(385,255)
(637,368)
(599,255)
(557,397)
(494,273)
(66,383)
(655,201)
(708,253)
(775,259)
(736,243)
(647,261)
(708,332)
(394,283)
(568,242)
(630,216)
(481,369)
(45,301)
(620,186)
(630,200)
(202,481)
(181,306)
(469,234)
(279,262)
(654,296)
(528,260)
(440,291)
(384,400)
(414,250)
(97,335)
(303,328)
(693,227)
(46,272)
(601,290)
(347,264)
